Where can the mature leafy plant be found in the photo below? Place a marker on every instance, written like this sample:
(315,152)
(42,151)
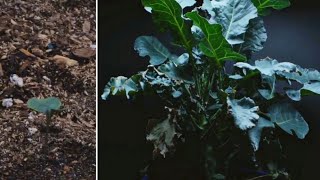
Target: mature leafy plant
(202,96)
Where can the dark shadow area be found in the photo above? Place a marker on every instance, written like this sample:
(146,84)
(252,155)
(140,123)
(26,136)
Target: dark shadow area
(293,35)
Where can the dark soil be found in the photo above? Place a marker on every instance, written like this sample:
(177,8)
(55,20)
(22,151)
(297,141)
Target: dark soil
(32,33)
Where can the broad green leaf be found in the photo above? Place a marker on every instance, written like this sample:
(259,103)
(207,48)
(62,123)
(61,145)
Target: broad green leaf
(163,134)
(288,119)
(268,66)
(152,47)
(181,60)
(263,6)
(307,89)
(182,3)
(255,36)
(168,15)
(244,112)
(309,78)
(302,75)
(234,17)
(313,87)
(255,132)
(119,84)
(294,94)
(207,6)
(186,3)
(176,73)
(44,105)
(213,44)
(235,77)
(270,81)
(176,93)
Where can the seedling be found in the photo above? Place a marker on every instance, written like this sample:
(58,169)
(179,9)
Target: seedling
(46,106)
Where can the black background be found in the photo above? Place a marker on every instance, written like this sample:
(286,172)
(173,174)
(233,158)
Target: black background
(293,35)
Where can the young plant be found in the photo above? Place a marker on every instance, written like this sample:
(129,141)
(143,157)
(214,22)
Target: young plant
(234,110)
(46,106)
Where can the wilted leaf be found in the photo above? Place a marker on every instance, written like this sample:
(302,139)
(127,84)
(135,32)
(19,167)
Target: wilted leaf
(213,44)
(118,85)
(244,112)
(163,134)
(176,73)
(44,105)
(288,119)
(234,17)
(255,132)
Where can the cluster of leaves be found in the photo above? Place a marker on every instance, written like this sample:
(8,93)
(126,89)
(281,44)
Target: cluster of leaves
(200,95)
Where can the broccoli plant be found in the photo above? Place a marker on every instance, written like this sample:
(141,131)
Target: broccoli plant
(242,104)
(46,106)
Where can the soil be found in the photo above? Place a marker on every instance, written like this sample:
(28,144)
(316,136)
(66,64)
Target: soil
(32,34)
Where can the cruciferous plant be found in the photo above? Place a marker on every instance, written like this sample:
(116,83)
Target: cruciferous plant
(215,89)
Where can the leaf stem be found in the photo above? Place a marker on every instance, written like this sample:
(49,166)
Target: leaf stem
(211,125)
(259,177)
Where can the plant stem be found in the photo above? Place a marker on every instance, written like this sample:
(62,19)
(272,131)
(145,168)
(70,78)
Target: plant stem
(211,125)
(47,132)
(258,177)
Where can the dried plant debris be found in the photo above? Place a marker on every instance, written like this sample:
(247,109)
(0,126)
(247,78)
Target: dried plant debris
(47,48)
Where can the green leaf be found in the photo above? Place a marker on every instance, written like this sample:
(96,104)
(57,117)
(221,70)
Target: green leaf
(244,112)
(268,66)
(255,36)
(234,17)
(162,135)
(302,75)
(186,3)
(270,81)
(312,87)
(176,73)
(44,105)
(214,44)
(309,78)
(255,132)
(168,15)
(263,6)
(152,47)
(181,60)
(294,94)
(118,85)
(288,119)
(207,7)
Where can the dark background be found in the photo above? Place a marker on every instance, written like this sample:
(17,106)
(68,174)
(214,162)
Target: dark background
(293,35)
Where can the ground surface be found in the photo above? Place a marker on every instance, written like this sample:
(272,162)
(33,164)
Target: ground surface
(32,33)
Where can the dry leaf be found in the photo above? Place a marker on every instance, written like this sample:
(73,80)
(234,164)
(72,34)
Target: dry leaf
(84,52)
(65,60)
(86,26)
(1,70)
(37,51)
(26,52)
